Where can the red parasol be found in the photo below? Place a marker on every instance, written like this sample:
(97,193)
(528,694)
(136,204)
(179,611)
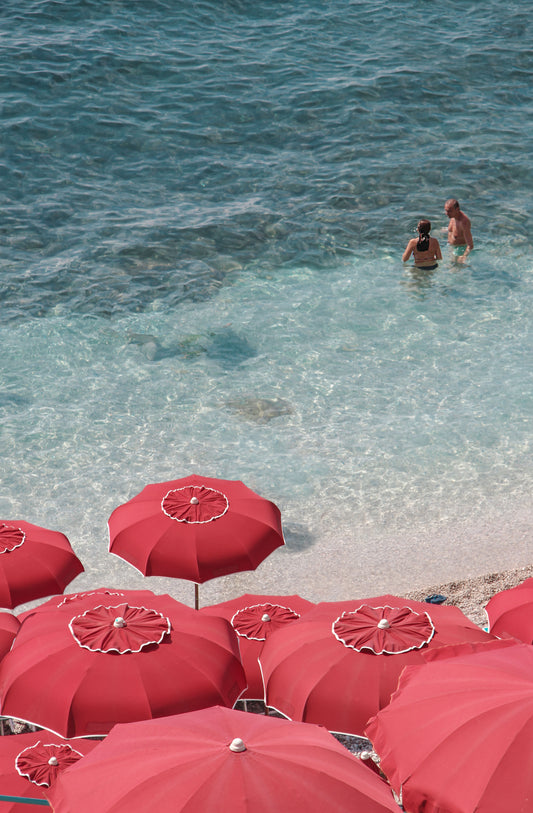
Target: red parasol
(220,759)
(97,660)
(457,735)
(31,762)
(254,618)
(196,528)
(510,612)
(339,664)
(34,562)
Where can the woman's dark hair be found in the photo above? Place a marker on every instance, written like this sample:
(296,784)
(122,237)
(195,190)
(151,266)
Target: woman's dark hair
(424,228)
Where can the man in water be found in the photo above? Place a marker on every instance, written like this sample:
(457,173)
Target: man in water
(459,234)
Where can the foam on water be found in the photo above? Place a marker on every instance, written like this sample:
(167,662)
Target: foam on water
(203,219)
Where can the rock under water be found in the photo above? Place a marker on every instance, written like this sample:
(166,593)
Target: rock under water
(260,410)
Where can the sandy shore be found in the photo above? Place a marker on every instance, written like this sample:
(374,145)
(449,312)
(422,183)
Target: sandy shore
(471,595)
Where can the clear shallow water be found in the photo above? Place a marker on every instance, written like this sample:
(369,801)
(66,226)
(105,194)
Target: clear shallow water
(204,213)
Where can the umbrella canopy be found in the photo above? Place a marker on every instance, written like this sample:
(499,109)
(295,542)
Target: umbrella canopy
(31,762)
(339,663)
(196,528)
(92,662)
(254,618)
(510,612)
(73,603)
(457,735)
(34,562)
(9,626)
(217,759)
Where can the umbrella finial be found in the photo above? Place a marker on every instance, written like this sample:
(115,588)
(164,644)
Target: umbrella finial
(365,755)
(119,622)
(194,501)
(53,761)
(266,617)
(237,745)
(383,624)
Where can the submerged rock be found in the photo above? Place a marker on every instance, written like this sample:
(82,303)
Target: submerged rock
(225,347)
(13,400)
(228,348)
(260,410)
(155,350)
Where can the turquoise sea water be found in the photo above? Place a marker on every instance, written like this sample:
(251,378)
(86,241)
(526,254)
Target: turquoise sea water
(204,209)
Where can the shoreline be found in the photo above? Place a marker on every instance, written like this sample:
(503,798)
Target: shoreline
(471,595)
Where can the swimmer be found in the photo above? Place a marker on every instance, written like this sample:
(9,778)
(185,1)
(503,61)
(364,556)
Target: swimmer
(459,234)
(426,249)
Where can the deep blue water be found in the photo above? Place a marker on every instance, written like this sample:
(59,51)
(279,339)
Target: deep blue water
(204,209)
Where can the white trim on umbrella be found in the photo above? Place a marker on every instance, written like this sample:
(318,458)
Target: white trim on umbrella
(52,761)
(345,616)
(118,624)
(194,501)
(79,596)
(7,530)
(265,620)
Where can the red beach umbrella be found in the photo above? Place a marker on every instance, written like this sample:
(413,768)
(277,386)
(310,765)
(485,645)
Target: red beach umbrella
(510,612)
(79,669)
(195,528)
(220,759)
(254,618)
(340,663)
(457,735)
(34,562)
(29,763)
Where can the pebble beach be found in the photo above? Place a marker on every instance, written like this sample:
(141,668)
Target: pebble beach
(472,595)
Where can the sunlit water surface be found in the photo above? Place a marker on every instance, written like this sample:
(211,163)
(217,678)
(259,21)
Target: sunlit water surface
(203,216)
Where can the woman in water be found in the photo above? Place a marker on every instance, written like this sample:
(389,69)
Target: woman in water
(426,249)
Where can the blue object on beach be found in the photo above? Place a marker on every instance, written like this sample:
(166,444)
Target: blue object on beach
(435,598)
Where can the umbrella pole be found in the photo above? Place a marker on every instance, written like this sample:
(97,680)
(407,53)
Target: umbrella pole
(196,596)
